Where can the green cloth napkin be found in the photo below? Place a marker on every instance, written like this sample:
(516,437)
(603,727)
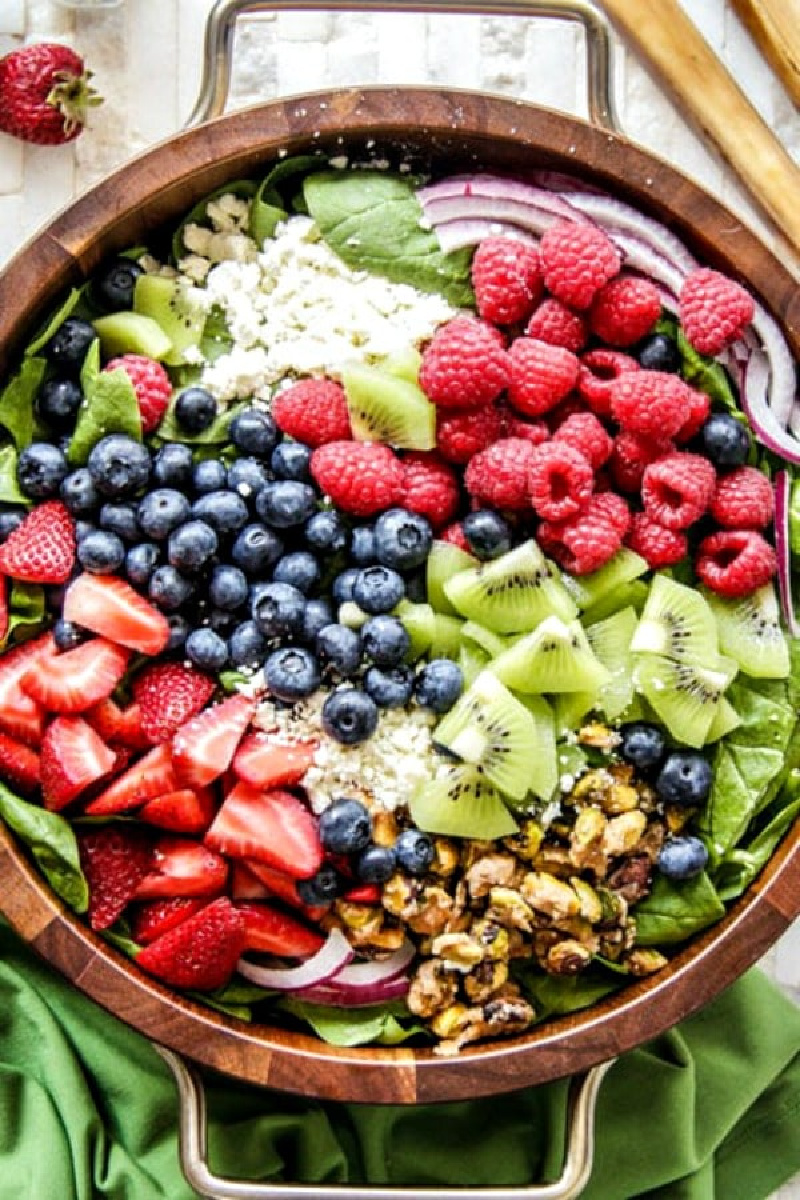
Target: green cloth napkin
(87,1109)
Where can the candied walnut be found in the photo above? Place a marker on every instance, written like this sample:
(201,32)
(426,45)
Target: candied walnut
(592,786)
(526,841)
(432,988)
(549,895)
(445,857)
(598,736)
(458,950)
(435,910)
(567,958)
(508,1013)
(486,873)
(384,828)
(486,979)
(644,962)
(622,833)
(460,917)
(555,860)
(388,939)
(472,850)
(590,902)
(586,850)
(507,907)
(491,937)
(631,879)
(652,840)
(401,896)
(454,1021)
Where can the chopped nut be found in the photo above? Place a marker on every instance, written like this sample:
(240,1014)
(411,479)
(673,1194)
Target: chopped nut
(508,908)
(526,841)
(591,905)
(455,1020)
(458,950)
(401,896)
(615,907)
(592,787)
(435,910)
(600,737)
(677,819)
(487,978)
(623,832)
(632,878)
(359,916)
(473,850)
(549,895)
(567,958)
(554,860)
(432,988)
(484,874)
(384,828)
(645,962)
(509,1011)
(389,938)
(587,851)
(492,938)
(445,859)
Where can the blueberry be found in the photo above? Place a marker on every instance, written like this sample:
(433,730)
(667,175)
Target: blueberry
(299,568)
(343,584)
(82,528)
(725,440)
(114,284)
(247,645)
(101,553)
(67,635)
(161,511)
(384,640)
(209,475)
(78,492)
(658,353)
(642,745)
(224,511)
(438,685)
(321,888)
(68,346)
(191,545)
(291,673)
(685,778)
(256,549)
(318,614)
(228,587)
(278,610)
(41,469)
(378,589)
(195,410)
(119,466)
(345,827)
(326,532)
(286,503)
(376,864)
(247,476)
(173,466)
(206,650)
(222,622)
(140,562)
(402,539)
(168,588)
(682,857)
(290,460)
(417,586)
(414,851)
(10,519)
(121,520)
(349,716)
(253,432)
(58,401)
(488,534)
(390,688)
(179,630)
(362,545)
(339,648)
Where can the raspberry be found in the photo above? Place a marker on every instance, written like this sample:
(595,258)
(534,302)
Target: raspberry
(584,432)
(560,481)
(459,435)
(361,478)
(630,456)
(652,403)
(696,418)
(735,562)
(625,310)
(743,500)
(535,432)
(577,260)
(313,411)
(596,375)
(430,488)
(677,489)
(714,310)
(498,476)
(541,375)
(507,279)
(464,365)
(558,325)
(658,546)
(581,545)
(611,508)
(454,534)
(150,382)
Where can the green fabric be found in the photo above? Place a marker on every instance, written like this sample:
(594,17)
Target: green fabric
(87,1109)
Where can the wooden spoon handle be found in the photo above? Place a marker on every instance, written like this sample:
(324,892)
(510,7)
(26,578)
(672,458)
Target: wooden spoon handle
(774,26)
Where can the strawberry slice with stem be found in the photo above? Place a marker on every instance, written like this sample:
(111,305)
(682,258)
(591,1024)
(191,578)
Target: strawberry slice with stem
(183,867)
(114,859)
(19,765)
(73,757)
(42,548)
(271,931)
(204,747)
(265,763)
(168,695)
(111,608)
(151,776)
(272,827)
(20,715)
(75,680)
(151,918)
(184,811)
(202,952)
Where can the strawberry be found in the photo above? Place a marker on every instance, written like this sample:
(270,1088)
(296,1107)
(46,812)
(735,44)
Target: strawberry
(182,811)
(3,608)
(151,383)
(271,827)
(73,756)
(183,867)
(111,608)
(114,859)
(154,917)
(42,548)
(271,931)
(120,726)
(363,893)
(247,886)
(151,776)
(20,716)
(168,694)
(202,952)
(19,765)
(45,93)
(75,680)
(273,883)
(204,747)
(266,764)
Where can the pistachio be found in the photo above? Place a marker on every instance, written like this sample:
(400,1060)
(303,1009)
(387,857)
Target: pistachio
(432,988)
(484,874)
(549,895)
(526,841)
(491,937)
(623,832)
(485,980)
(362,918)
(645,962)
(598,736)
(455,1020)
(458,950)
(567,958)
(591,906)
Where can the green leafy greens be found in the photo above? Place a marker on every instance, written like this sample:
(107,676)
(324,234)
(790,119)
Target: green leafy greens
(109,406)
(51,841)
(384,1024)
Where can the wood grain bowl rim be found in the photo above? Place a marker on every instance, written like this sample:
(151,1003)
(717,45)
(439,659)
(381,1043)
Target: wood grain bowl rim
(454,130)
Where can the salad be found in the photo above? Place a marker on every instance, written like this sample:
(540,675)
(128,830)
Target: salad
(396,600)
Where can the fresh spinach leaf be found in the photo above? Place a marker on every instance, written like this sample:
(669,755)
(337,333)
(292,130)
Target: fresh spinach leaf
(556,995)
(217,339)
(236,999)
(216,435)
(675,911)
(122,941)
(17,400)
(707,376)
(55,321)
(9,488)
(25,608)
(738,870)
(229,680)
(386,1024)
(109,406)
(270,204)
(52,843)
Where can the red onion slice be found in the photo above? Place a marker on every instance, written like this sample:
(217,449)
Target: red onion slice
(616,217)
(330,958)
(754,399)
(338,996)
(455,235)
(783,384)
(532,217)
(359,974)
(641,256)
(783,550)
(494,188)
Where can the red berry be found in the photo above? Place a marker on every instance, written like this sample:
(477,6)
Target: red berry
(558,325)
(700,406)
(19,765)
(42,548)
(454,534)
(46,93)
(735,562)
(361,478)
(151,383)
(677,489)
(596,375)
(459,435)
(560,481)
(714,310)
(183,867)
(154,917)
(168,694)
(581,545)
(651,403)
(113,609)
(268,764)
(430,488)
(541,375)
(743,499)
(629,457)
(149,776)
(73,756)
(507,279)
(114,859)
(72,681)
(272,827)
(464,365)
(201,952)
(584,432)
(609,507)
(625,310)
(313,411)
(203,748)
(660,547)
(535,432)
(498,476)
(577,259)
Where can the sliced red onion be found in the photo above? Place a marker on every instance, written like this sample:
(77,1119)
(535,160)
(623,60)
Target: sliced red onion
(783,384)
(641,256)
(617,217)
(330,958)
(494,188)
(360,974)
(340,996)
(455,235)
(783,550)
(754,398)
(532,217)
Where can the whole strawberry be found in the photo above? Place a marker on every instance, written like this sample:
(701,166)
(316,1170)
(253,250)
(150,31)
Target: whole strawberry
(45,94)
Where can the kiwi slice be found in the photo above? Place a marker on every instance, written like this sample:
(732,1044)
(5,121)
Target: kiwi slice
(543,780)
(460,802)
(131,333)
(726,719)
(444,561)
(168,303)
(611,641)
(627,595)
(676,621)
(405,364)
(607,580)
(419,621)
(513,593)
(571,710)
(478,635)
(556,657)
(490,729)
(386,408)
(684,696)
(446,639)
(749,631)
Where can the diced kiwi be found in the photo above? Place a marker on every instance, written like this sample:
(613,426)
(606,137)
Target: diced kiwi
(556,657)
(386,408)
(607,580)
(131,333)
(571,710)
(419,621)
(405,364)
(489,728)
(513,593)
(627,595)
(543,777)
(444,561)
(446,640)
(726,719)
(351,615)
(472,661)
(168,303)
(460,802)
(479,635)
(749,631)
(676,621)
(684,696)
(611,641)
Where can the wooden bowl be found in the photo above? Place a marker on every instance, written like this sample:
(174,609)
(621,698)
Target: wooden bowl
(445,131)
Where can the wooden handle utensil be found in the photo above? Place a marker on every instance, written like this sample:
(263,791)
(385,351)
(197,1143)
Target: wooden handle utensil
(774,26)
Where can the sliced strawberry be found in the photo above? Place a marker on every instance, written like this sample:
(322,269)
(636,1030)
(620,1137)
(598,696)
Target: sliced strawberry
(247,886)
(20,716)
(168,694)
(274,932)
(267,764)
(204,747)
(19,765)
(183,867)
(202,952)
(120,725)
(184,811)
(42,548)
(3,608)
(154,917)
(114,859)
(151,776)
(75,680)
(110,607)
(365,893)
(271,827)
(73,756)
(279,884)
